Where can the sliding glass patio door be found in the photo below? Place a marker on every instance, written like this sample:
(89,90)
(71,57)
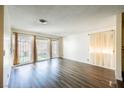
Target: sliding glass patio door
(25,48)
(31,48)
(55,48)
(42,46)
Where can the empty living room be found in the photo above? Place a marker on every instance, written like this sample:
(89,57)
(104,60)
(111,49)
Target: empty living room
(63,46)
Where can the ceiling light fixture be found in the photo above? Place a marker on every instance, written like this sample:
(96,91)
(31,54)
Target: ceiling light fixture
(43,21)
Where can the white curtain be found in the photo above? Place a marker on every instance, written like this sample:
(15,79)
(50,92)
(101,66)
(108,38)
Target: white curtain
(102,49)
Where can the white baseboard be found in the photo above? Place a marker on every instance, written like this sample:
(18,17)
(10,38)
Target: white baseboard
(118,77)
(89,63)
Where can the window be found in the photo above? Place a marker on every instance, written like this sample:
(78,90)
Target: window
(30,48)
(42,49)
(25,48)
(55,48)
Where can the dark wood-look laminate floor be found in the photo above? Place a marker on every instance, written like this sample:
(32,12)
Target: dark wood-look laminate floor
(120,84)
(61,73)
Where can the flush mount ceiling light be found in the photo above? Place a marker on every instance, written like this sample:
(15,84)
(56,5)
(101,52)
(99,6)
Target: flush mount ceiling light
(43,21)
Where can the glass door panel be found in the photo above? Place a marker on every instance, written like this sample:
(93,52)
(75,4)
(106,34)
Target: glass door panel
(55,48)
(42,49)
(25,48)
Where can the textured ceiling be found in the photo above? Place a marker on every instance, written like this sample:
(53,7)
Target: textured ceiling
(62,20)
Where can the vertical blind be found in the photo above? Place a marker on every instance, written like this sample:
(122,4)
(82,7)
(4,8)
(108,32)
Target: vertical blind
(102,49)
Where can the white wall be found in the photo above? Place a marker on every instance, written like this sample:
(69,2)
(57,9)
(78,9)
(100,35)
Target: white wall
(118,71)
(76,46)
(7,47)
